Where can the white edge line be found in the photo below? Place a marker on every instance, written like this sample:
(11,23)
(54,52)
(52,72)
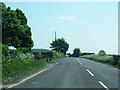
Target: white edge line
(90,72)
(104,85)
(115,68)
(0,87)
(50,66)
(79,62)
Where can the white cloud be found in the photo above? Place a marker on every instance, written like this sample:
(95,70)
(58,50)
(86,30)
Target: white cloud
(66,17)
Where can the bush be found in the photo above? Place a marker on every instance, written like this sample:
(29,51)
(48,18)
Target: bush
(24,50)
(47,54)
(37,54)
(13,52)
(116,59)
(11,66)
(101,53)
(57,55)
(5,50)
(118,65)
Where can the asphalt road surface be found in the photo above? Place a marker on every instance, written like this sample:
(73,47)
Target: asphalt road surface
(72,72)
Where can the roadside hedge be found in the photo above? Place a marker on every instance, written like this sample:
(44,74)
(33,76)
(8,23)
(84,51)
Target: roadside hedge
(5,50)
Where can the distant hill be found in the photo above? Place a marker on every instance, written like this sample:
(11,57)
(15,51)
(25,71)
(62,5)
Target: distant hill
(43,50)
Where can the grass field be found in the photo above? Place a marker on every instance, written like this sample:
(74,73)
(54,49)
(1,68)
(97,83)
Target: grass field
(103,59)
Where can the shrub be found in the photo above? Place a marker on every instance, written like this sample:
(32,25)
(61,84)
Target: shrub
(24,50)
(37,54)
(116,59)
(47,55)
(58,55)
(118,65)
(16,64)
(5,50)
(101,53)
(50,55)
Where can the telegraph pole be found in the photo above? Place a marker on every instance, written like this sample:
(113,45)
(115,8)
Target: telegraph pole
(55,35)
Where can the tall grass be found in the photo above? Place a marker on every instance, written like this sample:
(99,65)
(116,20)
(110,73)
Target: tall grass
(100,58)
(18,64)
(17,67)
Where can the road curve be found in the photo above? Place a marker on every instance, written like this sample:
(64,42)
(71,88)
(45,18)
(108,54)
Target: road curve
(74,73)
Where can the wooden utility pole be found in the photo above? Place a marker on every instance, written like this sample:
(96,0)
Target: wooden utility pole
(55,35)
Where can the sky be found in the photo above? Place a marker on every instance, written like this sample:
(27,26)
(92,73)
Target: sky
(90,26)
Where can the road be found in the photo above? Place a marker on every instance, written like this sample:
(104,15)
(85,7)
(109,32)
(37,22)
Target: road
(72,72)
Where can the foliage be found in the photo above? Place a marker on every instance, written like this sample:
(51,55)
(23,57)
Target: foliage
(69,54)
(24,50)
(101,52)
(118,63)
(60,45)
(18,64)
(87,53)
(57,55)
(76,52)
(116,59)
(15,31)
(47,55)
(13,53)
(16,67)
(109,59)
(104,59)
(5,50)
(37,54)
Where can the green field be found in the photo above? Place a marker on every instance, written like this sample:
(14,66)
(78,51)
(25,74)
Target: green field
(108,59)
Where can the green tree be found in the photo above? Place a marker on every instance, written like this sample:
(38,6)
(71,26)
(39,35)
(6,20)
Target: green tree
(102,53)
(60,45)
(15,31)
(76,52)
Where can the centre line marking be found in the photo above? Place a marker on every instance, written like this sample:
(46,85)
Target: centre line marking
(79,62)
(104,85)
(90,72)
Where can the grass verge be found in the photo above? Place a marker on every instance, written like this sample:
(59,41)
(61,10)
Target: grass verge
(107,59)
(20,66)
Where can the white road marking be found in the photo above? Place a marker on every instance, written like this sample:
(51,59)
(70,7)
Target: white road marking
(35,82)
(0,87)
(50,66)
(90,72)
(79,62)
(104,85)
(115,68)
